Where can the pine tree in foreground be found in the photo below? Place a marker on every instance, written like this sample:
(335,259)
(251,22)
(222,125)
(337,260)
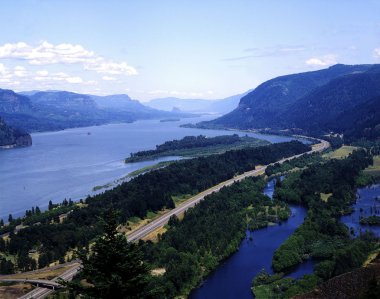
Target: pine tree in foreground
(113,268)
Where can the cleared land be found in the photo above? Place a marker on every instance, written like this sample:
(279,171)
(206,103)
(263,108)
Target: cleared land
(374,169)
(325,196)
(340,153)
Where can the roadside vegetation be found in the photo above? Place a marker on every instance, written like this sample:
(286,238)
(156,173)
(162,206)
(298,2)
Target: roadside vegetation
(197,146)
(50,240)
(209,233)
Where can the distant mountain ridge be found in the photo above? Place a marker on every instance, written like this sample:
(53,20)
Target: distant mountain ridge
(308,102)
(221,106)
(56,110)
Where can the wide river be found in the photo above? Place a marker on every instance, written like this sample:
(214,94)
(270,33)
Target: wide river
(69,163)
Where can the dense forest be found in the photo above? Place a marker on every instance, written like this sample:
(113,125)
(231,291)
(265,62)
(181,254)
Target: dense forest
(322,236)
(209,233)
(152,191)
(195,146)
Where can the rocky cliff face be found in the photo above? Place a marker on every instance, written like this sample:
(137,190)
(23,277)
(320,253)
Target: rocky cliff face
(11,137)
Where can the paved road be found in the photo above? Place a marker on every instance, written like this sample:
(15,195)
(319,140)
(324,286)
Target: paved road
(38,282)
(40,293)
(161,221)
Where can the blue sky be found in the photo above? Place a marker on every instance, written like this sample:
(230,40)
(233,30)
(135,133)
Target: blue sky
(187,49)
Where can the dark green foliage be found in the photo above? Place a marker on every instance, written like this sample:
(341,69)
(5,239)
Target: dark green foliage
(322,235)
(209,233)
(371,220)
(275,287)
(352,256)
(113,267)
(149,192)
(300,162)
(25,263)
(195,146)
(6,266)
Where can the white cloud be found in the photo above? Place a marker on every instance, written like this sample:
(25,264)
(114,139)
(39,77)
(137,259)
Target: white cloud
(46,53)
(3,69)
(326,60)
(109,67)
(108,78)
(74,80)
(376,53)
(19,71)
(42,73)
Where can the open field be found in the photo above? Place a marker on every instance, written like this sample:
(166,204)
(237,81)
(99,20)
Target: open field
(325,196)
(340,153)
(374,169)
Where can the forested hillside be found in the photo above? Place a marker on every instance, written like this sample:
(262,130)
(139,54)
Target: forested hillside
(11,137)
(57,110)
(315,103)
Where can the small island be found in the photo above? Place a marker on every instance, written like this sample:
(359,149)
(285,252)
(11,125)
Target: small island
(169,119)
(196,146)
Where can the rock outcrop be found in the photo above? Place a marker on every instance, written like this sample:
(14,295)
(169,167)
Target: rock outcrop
(12,137)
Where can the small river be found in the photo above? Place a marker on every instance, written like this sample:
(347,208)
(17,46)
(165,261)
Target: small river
(69,163)
(367,204)
(233,278)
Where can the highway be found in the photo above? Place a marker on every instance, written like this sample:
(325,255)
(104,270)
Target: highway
(138,234)
(162,220)
(39,292)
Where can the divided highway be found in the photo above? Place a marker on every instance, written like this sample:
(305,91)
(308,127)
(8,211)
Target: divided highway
(162,220)
(40,292)
(140,233)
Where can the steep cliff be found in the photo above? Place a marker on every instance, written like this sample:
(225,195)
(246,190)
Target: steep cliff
(11,137)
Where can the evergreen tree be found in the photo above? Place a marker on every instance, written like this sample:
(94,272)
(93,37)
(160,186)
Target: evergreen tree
(114,266)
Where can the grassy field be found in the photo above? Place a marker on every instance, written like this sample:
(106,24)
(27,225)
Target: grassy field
(181,198)
(325,196)
(340,153)
(374,169)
